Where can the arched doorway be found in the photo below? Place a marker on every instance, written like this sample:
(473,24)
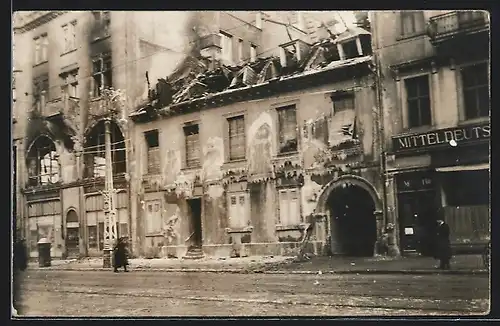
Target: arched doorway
(352,204)
(72,234)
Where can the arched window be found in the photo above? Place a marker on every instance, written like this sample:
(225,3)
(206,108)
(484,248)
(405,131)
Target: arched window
(95,151)
(42,161)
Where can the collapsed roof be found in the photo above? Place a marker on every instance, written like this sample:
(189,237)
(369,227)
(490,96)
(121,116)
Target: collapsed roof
(195,80)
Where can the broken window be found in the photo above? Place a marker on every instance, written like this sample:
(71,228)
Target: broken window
(40,90)
(153,146)
(287,120)
(350,49)
(412,22)
(343,124)
(69,34)
(289,207)
(103,21)
(475,83)
(226,43)
(238,210)
(237,140)
(95,151)
(153,217)
(41,218)
(69,85)
(102,74)
(41,49)
(191,133)
(43,164)
(418,100)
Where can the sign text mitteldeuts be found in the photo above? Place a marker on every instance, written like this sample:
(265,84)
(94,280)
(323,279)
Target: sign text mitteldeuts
(441,137)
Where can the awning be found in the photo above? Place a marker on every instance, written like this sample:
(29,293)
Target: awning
(471,167)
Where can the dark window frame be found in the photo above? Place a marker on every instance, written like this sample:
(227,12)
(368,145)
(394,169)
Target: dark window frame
(192,145)
(418,101)
(287,127)
(152,138)
(478,90)
(236,137)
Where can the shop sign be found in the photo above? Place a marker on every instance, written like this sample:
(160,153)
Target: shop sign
(442,137)
(414,181)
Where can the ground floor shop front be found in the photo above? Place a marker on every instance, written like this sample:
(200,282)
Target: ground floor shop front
(72,219)
(451,183)
(335,213)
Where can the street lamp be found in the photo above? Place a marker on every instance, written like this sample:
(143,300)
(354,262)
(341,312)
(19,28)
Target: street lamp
(111,99)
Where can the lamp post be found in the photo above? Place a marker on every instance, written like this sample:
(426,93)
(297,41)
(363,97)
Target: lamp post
(110,234)
(112,101)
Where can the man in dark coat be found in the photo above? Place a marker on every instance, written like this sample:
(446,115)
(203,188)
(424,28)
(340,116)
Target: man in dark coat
(443,247)
(120,255)
(20,262)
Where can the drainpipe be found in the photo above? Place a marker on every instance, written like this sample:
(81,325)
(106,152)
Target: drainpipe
(393,250)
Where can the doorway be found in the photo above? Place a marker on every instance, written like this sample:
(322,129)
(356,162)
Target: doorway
(72,234)
(353,223)
(195,213)
(418,215)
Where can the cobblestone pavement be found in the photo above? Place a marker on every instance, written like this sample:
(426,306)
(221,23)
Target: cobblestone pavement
(103,293)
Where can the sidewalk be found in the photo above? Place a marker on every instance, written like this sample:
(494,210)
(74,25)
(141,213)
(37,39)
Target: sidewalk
(462,264)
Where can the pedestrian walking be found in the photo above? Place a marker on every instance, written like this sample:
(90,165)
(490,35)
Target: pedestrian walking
(120,253)
(20,262)
(442,244)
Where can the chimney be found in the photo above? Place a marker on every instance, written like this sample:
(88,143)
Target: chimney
(210,48)
(258,20)
(282,56)
(300,21)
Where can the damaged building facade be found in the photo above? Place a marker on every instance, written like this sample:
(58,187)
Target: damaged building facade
(257,157)
(435,102)
(85,72)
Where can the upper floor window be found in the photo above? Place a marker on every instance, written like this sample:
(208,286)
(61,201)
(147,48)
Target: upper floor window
(253,53)
(226,43)
(191,133)
(95,151)
(153,145)
(412,22)
(69,85)
(40,90)
(343,125)
(418,101)
(475,83)
(102,74)
(41,49)
(103,21)
(69,33)
(289,207)
(287,121)
(43,164)
(236,137)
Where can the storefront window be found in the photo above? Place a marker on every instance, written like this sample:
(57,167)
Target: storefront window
(466,188)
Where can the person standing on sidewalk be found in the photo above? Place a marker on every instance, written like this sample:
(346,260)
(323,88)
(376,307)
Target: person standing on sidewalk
(120,255)
(443,247)
(20,262)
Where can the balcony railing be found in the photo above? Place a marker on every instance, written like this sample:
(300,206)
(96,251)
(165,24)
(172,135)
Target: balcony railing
(445,26)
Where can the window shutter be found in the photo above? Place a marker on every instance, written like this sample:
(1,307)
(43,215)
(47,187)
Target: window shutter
(283,207)
(294,207)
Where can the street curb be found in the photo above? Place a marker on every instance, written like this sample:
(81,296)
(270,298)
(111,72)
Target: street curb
(244,271)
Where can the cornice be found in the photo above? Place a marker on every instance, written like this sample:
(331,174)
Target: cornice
(38,21)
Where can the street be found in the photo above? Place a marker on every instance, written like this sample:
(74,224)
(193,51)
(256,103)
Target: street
(103,293)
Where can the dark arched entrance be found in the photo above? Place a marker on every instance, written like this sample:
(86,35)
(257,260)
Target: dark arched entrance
(352,221)
(72,234)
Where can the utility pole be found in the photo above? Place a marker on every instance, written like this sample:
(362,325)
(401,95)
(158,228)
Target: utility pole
(110,234)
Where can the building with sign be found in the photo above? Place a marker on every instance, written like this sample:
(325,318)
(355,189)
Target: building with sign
(434,94)
(248,158)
